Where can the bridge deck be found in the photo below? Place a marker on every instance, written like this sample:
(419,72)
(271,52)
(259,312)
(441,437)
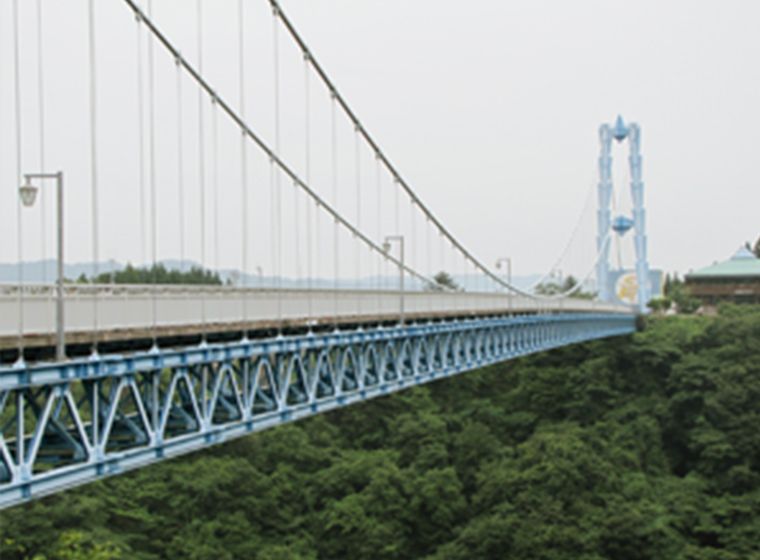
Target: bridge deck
(126,312)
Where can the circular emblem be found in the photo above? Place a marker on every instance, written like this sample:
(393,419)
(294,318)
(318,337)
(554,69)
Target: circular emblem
(626,288)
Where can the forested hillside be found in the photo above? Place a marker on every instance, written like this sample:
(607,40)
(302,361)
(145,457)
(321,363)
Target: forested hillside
(644,447)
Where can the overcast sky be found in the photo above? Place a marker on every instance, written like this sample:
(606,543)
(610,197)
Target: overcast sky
(490,110)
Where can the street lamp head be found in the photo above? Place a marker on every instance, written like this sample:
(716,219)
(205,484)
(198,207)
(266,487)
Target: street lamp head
(498,264)
(28,193)
(386,246)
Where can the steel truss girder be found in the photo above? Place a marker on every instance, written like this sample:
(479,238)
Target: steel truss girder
(67,424)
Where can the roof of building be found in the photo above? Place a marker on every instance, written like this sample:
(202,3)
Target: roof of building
(743,264)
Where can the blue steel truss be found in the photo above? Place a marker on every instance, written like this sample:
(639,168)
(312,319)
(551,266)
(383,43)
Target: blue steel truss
(70,423)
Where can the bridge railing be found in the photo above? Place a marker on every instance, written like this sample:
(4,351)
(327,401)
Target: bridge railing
(110,307)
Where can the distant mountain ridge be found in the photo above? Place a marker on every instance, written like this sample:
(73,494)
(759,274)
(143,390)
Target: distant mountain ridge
(38,272)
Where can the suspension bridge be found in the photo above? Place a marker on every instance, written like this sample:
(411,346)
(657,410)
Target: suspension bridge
(166,158)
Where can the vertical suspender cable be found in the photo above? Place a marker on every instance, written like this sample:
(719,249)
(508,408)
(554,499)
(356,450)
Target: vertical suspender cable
(429,249)
(94,169)
(201,170)
(43,167)
(141,136)
(379,233)
(215,178)
(276,178)
(19,229)
(297,233)
(397,202)
(152,181)
(180,166)
(357,156)
(153,208)
(428,264)
(483,279)
(413,235)
(272,226)
(442,250)
(243,169)
(318,243)
(307,174)
(465,283)
(334,153)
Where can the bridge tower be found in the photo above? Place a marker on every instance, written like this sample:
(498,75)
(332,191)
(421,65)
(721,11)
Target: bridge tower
(606,225)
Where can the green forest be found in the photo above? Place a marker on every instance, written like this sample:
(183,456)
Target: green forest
(640,447)
(155,274)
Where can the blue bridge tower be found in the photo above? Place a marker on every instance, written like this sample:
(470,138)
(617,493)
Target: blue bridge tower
(606,225)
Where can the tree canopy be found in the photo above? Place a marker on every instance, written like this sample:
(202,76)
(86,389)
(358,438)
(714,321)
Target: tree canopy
(156,274)
(562,286)
(443,281)
(639,447)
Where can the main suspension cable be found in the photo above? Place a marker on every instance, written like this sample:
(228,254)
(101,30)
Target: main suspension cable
(263,146)
(374,146)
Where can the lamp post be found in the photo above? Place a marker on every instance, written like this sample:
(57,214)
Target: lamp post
(28,194)
(508,262)
(387,247)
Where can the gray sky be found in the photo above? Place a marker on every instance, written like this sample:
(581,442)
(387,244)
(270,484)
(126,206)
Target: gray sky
(490,109)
